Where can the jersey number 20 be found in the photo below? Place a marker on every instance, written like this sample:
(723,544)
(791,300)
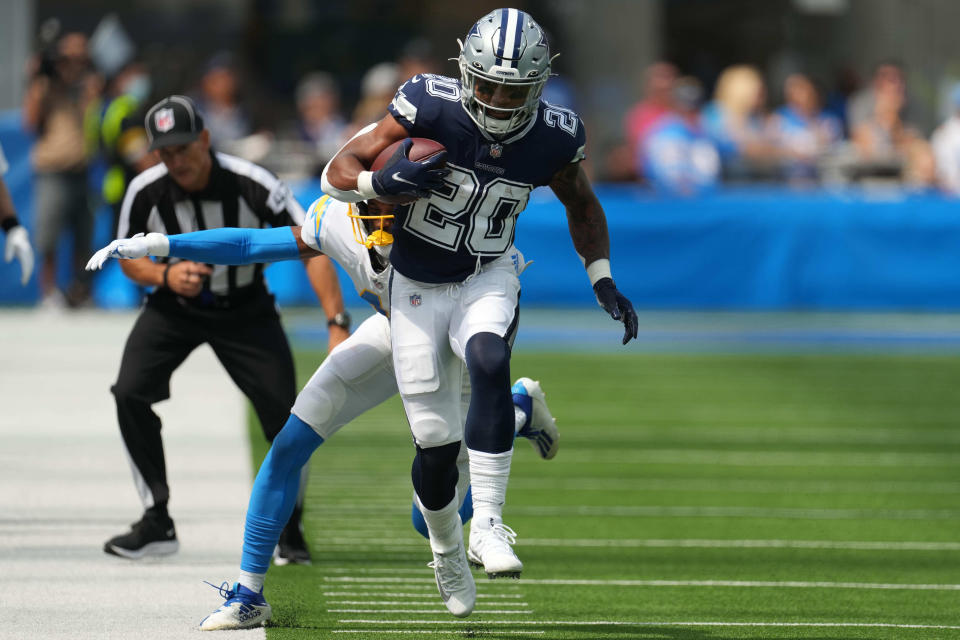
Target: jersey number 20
(463,215)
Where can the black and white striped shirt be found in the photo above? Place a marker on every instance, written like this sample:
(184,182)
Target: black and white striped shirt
(239,194)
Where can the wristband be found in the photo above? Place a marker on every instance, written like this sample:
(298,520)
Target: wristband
(365,185)
(9,223)
(165,272)
(598,269)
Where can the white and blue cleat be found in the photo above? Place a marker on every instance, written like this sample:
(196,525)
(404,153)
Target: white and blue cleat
(541,427)
(243,609)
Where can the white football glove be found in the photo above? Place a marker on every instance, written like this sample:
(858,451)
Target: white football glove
(152,244)
(18,245)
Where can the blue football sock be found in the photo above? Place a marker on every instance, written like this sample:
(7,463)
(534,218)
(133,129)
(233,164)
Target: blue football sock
(275,492)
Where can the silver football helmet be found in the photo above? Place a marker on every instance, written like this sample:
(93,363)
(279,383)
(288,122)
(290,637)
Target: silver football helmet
(505,48)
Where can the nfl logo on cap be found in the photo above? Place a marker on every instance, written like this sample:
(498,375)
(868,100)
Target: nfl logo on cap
(163,120)
(415,300)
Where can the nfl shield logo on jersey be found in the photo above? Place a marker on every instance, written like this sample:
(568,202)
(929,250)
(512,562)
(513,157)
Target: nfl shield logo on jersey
(496,150)
(416,300)
(163,120)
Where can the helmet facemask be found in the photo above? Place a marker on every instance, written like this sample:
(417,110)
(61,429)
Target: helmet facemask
(506,53)
(370,228)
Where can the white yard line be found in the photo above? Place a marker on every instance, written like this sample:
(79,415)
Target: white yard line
(65,487)
(500,632)
(792,584)
(713,457)
(726,485)
(417,601)
(406,594)
(507,612)
(655,623)
(741,544)
(632,511)
(854,545)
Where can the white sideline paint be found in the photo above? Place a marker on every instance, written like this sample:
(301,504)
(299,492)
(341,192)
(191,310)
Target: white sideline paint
(792,584)
(65,487)
(425,601)
(654,623)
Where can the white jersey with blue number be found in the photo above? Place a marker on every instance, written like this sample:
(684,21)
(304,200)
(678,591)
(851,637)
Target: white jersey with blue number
(473,217)
(329,230)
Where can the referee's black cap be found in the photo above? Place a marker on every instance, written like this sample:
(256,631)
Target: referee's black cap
(173,120)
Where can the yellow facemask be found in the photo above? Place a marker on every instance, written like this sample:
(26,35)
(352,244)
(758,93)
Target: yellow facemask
(369,239)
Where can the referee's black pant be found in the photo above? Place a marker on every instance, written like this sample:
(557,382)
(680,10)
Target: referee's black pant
(248,340)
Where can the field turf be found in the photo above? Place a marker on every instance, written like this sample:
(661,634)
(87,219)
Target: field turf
(697,497)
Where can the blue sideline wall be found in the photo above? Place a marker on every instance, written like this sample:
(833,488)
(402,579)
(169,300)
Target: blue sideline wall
(758,248)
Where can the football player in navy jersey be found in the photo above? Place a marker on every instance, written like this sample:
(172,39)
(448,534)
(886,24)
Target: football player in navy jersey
(454,292)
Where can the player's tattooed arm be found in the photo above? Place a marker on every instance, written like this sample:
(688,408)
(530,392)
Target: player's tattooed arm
(585,217)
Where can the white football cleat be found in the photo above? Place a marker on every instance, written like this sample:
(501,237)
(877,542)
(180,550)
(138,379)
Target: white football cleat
(243,609)
(541,427)
(454,581)
(491,550)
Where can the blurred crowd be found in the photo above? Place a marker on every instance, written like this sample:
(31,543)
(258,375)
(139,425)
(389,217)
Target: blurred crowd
(679,141)
(86,96)
(85,102)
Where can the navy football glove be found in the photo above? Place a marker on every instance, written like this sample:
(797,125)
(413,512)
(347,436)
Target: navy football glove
(617,305)
(401,176)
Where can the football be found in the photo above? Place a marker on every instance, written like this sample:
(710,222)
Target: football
(422,149)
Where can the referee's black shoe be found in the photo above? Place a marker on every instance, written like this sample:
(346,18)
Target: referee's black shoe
(292,548)
(151,536)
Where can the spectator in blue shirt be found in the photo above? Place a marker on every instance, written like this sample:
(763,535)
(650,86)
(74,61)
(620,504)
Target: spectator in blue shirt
(676,156)
(802,130)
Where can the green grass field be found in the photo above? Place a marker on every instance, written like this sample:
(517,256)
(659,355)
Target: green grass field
(694,497)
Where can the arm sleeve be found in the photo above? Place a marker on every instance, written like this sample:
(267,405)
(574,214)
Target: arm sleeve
(3,162)
(234,246)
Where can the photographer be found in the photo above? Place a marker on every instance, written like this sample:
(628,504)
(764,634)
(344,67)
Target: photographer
(61,87)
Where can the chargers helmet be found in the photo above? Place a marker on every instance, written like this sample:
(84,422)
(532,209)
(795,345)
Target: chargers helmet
(506,47)
(371,221)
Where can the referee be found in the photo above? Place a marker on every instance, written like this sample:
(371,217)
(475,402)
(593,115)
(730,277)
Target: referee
(227,307)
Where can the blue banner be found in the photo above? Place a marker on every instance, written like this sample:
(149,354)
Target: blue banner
(757,248)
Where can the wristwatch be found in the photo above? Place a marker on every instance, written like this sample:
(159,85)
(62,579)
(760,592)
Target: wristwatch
(341,320)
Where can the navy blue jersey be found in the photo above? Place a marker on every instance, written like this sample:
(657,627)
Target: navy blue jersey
(441,238)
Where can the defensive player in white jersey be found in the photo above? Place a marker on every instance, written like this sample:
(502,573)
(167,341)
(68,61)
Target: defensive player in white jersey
(355,377)
(455,289)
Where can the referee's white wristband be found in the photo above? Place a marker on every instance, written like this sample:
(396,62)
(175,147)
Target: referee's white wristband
(598,269)
(365,185)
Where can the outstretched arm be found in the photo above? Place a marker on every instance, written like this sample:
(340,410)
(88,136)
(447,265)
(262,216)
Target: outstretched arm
(215,246)
(588,229)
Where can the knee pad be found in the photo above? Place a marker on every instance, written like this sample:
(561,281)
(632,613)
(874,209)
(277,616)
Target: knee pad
(319,401)
(434,475)
(488,356)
